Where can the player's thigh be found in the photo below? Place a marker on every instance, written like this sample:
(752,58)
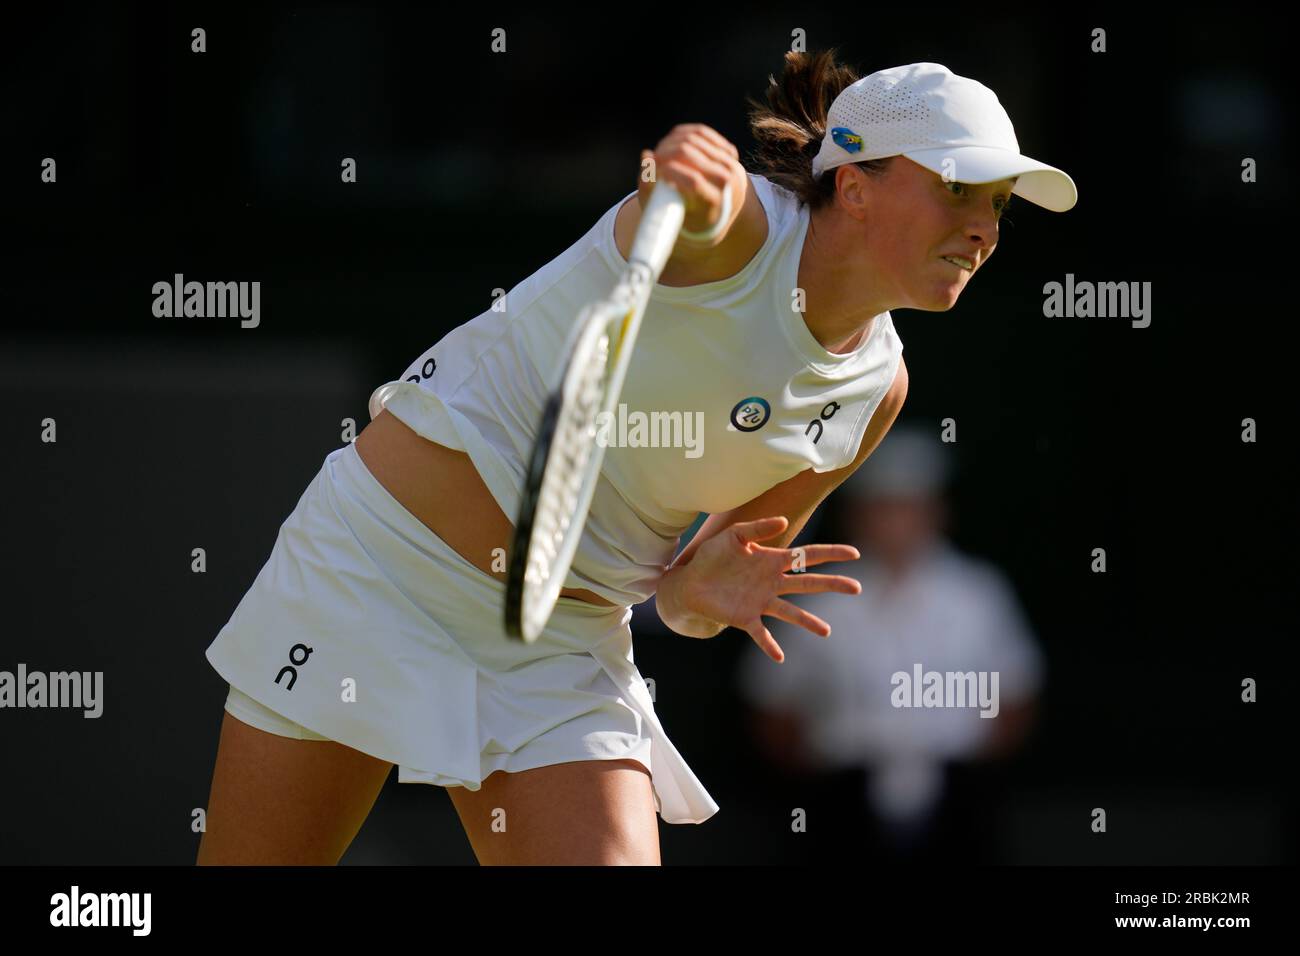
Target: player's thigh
(580,813)
(280,801)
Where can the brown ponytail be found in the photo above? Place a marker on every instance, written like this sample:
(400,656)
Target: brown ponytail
(790,127)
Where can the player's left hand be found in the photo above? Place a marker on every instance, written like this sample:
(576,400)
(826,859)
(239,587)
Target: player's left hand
(734,580)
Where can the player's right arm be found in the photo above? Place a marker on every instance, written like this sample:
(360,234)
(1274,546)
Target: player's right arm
(699,161)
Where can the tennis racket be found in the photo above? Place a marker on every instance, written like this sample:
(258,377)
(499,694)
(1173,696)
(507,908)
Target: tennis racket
(566,457)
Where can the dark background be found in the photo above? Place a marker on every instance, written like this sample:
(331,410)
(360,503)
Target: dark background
(475,169)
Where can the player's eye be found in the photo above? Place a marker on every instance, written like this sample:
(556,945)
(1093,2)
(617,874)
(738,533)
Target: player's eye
(1005,202)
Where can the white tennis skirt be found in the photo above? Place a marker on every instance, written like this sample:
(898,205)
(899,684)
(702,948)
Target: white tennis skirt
(366,628)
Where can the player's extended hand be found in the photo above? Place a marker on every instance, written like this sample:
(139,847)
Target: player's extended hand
(734,580)
(700,162)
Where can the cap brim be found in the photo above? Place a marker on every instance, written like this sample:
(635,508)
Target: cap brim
(1037,182)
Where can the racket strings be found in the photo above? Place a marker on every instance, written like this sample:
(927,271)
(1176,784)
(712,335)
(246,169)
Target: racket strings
(564,478)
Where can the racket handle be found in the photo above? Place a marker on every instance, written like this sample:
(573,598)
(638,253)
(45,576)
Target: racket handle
(656,234)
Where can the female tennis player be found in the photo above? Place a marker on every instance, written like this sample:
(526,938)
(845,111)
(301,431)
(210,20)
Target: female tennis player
(373,636)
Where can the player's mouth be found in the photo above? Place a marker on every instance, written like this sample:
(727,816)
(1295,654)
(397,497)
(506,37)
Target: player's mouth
(961,262)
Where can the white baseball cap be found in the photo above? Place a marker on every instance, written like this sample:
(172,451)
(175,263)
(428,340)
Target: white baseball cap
(949,124)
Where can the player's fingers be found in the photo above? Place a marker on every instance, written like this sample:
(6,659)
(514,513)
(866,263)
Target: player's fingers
(711,160)
(692,184)
(760,529)
(692,144)
(809,583)
(763,638)
(793,614)
(717,174)
(713,136)
(671,160)
(821,553)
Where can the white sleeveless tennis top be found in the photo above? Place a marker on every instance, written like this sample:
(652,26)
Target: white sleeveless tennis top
(745,396)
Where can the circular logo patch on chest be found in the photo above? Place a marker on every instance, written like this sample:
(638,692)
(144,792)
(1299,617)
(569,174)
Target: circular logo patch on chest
(750,413)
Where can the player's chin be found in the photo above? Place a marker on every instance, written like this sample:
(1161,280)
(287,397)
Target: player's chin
(937,296)
(945,298)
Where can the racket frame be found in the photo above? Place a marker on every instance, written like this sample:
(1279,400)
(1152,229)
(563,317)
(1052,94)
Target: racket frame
(531,593)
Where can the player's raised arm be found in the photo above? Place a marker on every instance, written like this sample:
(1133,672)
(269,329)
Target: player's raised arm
(701,163)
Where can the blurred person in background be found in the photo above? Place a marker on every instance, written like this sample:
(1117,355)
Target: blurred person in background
(828,714)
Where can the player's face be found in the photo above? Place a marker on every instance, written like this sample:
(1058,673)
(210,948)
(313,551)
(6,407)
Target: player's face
(929,219)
